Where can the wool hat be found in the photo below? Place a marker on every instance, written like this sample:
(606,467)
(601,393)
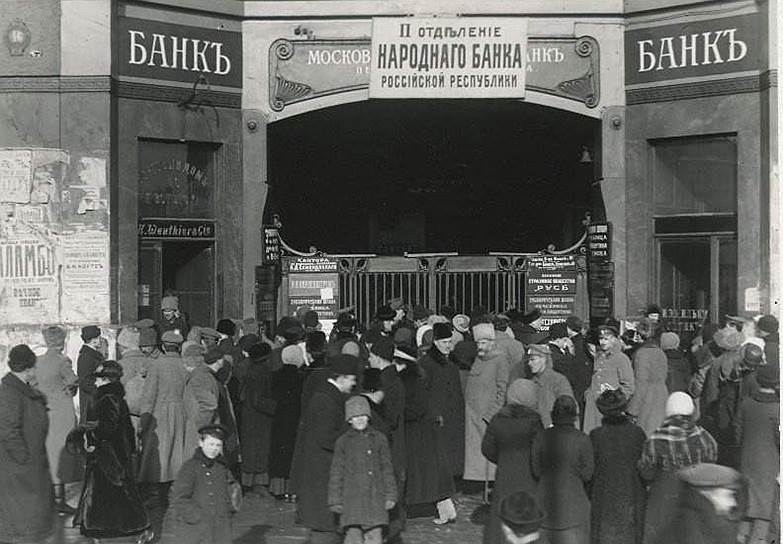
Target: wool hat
(259,351)
(461,322)
(212,355)
(315,342)
(397,304)
(214,430)
(292,355)
(227,327)
(728,338)
(441,331)
(54,336)
(531,316)
(148,337)
(356,406)
(420,312)
(344,365)
(169,303)
(564,410)
(670,340)
(524,392)
(574,323)
(145,323)
(20,358)
(171,337)
(483,331)
(520,512)
(128,338)
(768,376)
(558,330)
(310,319)
(248,340)
(89,332)
(192,349)
(209,332)
(612,402)
(768,324)
(679,404)
(383,348)
(752,354)
(385,313)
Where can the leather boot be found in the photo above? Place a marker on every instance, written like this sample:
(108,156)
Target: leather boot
(59,501)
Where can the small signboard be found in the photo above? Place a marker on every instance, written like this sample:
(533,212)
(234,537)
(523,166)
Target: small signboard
(550,286)
(174,228)
(314,284)
(599,242)
(271,245)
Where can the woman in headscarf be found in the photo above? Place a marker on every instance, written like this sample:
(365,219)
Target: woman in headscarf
(57,380)
(110,504)
(650,370)
(617,492)
(507,443)
(562,461)
(676,444)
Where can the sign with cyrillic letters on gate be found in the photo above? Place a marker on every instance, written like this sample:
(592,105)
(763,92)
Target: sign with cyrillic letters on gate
(158,50)
(447,57)
(692,49)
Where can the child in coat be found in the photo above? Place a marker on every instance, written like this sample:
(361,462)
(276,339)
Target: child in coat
(361,484)
(205,494)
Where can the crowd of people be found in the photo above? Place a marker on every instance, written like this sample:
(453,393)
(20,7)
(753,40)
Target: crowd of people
(576,435)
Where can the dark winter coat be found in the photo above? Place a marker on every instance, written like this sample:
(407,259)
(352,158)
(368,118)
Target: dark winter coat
(204,388)
(258,409)
(201,501)
(179,323)
(86,363)
(26,501)
(446,401)
(110,504)
(507,443)
(617,493)
(361,478)
(562,461)
(429,477)
(772,348)
(757,428)
(390,417)
(323,422)
(286,392)
(679,375)
(576,374)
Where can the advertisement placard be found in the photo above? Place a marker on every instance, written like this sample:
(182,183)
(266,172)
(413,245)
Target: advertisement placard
(28,280)
(313,283)
(550,286)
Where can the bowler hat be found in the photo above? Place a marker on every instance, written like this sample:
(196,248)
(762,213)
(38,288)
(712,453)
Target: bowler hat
(89,332)
(531,316)
(768,324)
(385,313)
(227,327)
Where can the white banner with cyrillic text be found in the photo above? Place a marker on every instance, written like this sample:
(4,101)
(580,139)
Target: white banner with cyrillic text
(449,57)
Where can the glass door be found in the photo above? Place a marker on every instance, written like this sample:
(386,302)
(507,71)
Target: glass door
(188,272)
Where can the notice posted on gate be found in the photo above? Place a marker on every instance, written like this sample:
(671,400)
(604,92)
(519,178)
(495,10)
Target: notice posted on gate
(448,57)
(314,284)
(551,287)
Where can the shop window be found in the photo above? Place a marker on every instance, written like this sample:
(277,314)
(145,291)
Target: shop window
(176,179)
(695,175)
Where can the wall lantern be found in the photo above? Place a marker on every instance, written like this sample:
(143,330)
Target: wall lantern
(586,158)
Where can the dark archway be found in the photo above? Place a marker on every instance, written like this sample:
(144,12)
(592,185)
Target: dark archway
(469,176)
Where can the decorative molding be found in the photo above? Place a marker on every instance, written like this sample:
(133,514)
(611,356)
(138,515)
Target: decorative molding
(702,89)
(165,93)
(55,84)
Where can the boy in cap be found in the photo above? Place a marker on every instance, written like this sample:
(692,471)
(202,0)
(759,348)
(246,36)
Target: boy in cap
(205,495)
(89,359)
(173,319)
(362,487)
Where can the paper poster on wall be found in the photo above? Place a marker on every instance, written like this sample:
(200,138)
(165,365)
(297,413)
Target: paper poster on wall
(28,280)
(85,276)
(16,175)
(550,286)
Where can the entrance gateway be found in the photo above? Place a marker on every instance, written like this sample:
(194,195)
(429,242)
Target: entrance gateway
(439,202)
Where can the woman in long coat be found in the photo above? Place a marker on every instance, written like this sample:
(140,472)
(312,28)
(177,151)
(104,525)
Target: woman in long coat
(507,442)
(617,492)
(26,501)
(562,461)
(258,409)
(485,395)
(57,380)
(651,367)
(612,370)
(286,392)
(110,504)
(446,400)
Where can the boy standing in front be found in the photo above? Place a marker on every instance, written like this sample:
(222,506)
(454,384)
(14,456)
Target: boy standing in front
(362,488)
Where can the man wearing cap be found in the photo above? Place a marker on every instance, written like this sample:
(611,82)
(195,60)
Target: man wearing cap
(767,328)
(322,424)
(89,359)
(520,518)
(550,384)
(163,418)
(173,319)
(485,394)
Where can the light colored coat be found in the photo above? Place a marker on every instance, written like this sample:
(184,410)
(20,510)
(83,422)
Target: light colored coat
(649,399)
(485,395)
(612,370)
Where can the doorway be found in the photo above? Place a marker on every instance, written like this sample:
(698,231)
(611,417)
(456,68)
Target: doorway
(182,268)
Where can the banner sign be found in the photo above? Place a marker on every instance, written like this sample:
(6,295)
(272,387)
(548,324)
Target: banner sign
(173,228)
(28,281)
(550,286)
(271,240)
(695,48)
(459,57)
(310,264)
(313,283)
(599,242)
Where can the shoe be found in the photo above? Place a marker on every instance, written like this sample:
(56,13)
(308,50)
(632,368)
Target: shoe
(441,521)
(145,537)
(64,509)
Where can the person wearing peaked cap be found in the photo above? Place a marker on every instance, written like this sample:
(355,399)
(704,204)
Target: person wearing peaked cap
(521,518)
(551,384)
(89,358)
(209,337)
(171,337)
(617,487)
(485,394)
(172,318)
(145,323)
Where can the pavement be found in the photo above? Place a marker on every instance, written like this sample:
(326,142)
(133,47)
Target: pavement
(264,520)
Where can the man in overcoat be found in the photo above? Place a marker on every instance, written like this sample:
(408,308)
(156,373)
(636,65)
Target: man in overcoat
(89,359)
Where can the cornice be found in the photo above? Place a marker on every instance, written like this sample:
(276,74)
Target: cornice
(166,93)
(702,89)
(55,84)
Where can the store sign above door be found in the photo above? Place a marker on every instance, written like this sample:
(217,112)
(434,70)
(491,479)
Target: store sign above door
(692,49)
(157,50)
(172,228)
(306,69)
